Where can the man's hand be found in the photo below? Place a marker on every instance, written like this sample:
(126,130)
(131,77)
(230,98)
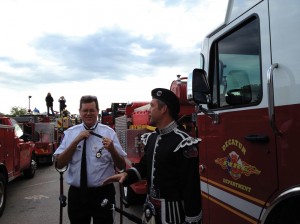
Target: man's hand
(64,158)
(119,161)
(82,135)
(115,178)
(108,144)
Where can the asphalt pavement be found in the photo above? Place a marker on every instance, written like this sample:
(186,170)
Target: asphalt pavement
(36,200)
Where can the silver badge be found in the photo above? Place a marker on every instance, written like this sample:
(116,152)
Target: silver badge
(99,153)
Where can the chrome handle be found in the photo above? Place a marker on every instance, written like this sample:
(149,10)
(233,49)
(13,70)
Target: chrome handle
(271,107)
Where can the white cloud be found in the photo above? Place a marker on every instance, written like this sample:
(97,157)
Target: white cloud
(117,50)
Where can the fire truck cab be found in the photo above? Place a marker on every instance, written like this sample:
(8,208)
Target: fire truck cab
(17,156)
(247,96)
(43,133)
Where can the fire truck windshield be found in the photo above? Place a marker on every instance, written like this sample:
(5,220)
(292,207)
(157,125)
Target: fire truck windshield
(18,130)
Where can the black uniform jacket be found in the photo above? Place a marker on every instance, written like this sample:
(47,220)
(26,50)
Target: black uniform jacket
(171,166)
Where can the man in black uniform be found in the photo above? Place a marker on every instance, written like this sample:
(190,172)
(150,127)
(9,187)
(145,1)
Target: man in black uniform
(170,164)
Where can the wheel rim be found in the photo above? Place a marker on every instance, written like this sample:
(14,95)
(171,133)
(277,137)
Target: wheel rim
(33,165)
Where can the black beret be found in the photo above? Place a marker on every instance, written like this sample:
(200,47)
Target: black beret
(169,98)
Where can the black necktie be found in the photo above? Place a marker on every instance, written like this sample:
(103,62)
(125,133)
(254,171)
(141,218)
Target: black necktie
(83,171)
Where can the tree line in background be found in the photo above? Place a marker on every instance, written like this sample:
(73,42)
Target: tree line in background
(17,111)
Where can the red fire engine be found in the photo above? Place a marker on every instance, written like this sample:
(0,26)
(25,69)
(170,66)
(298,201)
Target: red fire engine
(247,96)
(128,125)
(109,115)
(44,134)
(129,129)
(16,156)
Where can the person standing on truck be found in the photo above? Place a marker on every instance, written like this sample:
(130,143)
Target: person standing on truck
(49,104)
(62,104)
(170,164)
(91,151)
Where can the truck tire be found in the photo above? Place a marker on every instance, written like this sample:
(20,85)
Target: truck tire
(286,212)
(2,193)
(50,160)
(30,172)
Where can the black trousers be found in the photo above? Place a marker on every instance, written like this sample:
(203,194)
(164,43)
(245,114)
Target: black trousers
(50,108)
(83,211)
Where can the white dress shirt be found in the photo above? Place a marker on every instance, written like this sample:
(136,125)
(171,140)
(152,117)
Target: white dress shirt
(98,169)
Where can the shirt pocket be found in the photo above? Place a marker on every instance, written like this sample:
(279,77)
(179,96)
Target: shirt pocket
(77,154)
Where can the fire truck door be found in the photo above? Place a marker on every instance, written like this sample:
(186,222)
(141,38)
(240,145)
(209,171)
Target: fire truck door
(240,152)
(7,149)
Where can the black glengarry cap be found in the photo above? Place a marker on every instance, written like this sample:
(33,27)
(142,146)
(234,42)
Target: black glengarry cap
(169,98)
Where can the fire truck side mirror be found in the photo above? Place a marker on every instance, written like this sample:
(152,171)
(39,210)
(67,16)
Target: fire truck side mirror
(197,87)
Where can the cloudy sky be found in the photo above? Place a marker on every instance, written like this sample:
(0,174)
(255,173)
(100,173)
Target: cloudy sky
(114,49)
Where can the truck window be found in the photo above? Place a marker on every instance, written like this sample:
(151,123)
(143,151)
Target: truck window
(237,67)
(18,129)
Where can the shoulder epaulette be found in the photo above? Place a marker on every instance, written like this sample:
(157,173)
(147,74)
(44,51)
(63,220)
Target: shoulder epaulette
(189,141)
(145,137)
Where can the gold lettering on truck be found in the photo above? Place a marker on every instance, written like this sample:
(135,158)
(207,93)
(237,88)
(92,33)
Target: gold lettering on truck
(237,185)
(233,164)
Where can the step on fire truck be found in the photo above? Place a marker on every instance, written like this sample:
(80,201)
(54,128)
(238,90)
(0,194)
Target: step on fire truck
(247,96)
(17,156)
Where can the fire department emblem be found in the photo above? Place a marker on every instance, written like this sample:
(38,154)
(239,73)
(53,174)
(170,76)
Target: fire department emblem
(235,166)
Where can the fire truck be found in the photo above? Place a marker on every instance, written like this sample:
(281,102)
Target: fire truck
(246,91)
(129,129)
(62,123)
(109,115)
(129,125)
(17,156)
(43,132)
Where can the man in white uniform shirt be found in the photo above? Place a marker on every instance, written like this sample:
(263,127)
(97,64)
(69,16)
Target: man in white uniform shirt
(91,151)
